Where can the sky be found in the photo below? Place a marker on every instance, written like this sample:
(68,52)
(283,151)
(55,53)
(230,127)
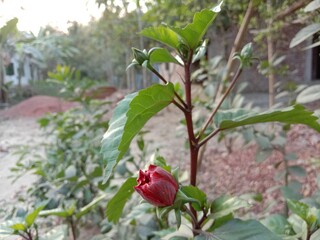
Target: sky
(33,14)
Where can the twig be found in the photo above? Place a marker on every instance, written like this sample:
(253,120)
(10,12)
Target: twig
(211,135)
(233,82)
(175,93)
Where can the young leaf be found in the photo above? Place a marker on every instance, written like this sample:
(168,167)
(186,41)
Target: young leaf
(116,204)
(164,35)
(18,227)
(193,33)
(298,208)
(244,230)
(129,117)
(31,217)
(277,224)
(161,55)
(297,171)
(296,114)
(299,226)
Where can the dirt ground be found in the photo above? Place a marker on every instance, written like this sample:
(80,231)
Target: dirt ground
(220,172)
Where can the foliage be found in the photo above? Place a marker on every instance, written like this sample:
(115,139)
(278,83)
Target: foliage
(309,30)
(201,213)
(76,176)
(6,33)
(70,170)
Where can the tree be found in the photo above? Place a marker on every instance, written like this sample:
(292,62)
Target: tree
(6,33)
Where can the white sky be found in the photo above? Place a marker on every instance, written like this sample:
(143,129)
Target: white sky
(33,14)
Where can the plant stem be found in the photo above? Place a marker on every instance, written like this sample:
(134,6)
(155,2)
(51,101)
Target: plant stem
(23,236)
(211,135)
(29,235)
(73,228)
(193,217)
(204,217)
(188,116)
(175,93)
(286,181)
(233,82)
(193,142)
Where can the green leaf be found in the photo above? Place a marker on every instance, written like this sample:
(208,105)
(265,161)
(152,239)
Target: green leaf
(195,193)
(59,212)
(193,33)
(9,28)
(161,55)
(290,192)
(277,224)
(31,217)
(299,226)
(262,155)
(116,204)
(129,117)
(218,222)
(263,142)
(244,230)
(305,33)
(290,157)
(70,171)
(6,226)
(18,227)
(314,5)
(230,114)
(90,206)
(297,171)
(225,205)
(298,208)
(309,94)
(164,35)
(296,114)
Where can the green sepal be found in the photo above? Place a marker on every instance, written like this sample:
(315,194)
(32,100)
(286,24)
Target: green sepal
(182,198)
(178,217)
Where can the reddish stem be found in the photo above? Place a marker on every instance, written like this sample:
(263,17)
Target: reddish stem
(193,142)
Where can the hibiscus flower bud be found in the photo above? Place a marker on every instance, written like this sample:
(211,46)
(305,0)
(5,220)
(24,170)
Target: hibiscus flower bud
(157,186)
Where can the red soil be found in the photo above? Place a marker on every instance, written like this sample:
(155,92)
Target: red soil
(36,106)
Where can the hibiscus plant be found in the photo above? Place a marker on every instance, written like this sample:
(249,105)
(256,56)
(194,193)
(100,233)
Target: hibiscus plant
(159,184)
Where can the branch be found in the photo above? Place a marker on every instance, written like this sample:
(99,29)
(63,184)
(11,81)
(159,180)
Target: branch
(184,105)
(233,82)
(239,38)
(296,6)
(211,135)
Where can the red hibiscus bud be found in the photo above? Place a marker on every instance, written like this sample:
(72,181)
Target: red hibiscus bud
(157,186)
